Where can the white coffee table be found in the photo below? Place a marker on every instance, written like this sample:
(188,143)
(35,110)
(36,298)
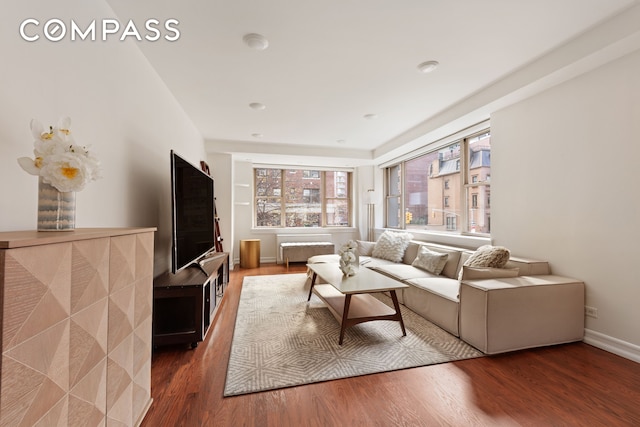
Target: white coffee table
(348,298)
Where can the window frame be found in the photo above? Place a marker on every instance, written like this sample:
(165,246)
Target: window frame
(284,190)
(467,184)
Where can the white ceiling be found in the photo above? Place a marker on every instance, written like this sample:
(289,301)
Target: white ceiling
(331,62)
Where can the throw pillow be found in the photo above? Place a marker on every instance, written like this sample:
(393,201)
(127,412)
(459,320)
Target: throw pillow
(489,256)
(365,248)
(477,273)
(431,261)
(391,245)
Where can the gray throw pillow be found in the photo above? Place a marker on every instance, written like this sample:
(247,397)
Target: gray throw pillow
(431,261)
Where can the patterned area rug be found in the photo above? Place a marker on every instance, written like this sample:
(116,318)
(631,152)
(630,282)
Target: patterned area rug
(281,340)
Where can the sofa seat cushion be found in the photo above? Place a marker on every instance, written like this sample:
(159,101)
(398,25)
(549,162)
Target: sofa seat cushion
(403,271)
(373,263)
(435,299)
(441,286)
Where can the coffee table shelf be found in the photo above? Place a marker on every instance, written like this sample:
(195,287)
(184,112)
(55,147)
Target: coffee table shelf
(362,306)
(348,298)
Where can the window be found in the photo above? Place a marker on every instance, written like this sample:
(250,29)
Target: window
(394,187)
(337,200)
(311,195)
(479,161)
(451,223)
(268,201)
(312,198)
(446,189)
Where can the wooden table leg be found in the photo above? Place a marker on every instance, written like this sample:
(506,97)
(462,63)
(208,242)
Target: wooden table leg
(394,298)
(313,283)
(345,316)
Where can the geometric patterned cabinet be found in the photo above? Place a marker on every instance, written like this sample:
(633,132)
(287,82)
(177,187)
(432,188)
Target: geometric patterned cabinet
(76,327)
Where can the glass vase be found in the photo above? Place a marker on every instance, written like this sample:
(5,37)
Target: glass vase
(56,210)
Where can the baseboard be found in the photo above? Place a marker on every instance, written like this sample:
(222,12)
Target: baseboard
(612,345)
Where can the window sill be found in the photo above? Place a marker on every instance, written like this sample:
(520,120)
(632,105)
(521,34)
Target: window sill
(470,240)
(304,230)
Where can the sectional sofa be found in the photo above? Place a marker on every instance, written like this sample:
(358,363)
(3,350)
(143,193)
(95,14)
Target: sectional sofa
(521,305)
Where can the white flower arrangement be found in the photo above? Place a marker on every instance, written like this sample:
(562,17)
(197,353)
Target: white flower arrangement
(58,160)
(349,258)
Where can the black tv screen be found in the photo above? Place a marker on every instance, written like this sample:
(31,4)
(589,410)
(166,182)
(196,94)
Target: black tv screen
(192,208)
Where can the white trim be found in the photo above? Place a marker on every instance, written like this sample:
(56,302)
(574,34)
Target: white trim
(302,167)
(430,146)
(612,345)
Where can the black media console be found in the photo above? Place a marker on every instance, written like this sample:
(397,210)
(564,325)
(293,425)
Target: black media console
(184,304)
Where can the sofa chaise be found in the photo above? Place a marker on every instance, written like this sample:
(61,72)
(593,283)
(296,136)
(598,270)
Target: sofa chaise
(521,305)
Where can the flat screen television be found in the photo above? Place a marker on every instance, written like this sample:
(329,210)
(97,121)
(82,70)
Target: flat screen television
(192,213)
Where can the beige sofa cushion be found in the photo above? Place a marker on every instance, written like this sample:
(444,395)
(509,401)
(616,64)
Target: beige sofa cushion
(439,305)
(365,248)
(476,273)
(411,252)
(402,271)
(441,286)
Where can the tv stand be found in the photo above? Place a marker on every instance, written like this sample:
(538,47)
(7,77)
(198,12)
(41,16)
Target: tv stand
(185,303)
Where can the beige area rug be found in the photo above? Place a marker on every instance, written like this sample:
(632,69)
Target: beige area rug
(281,340)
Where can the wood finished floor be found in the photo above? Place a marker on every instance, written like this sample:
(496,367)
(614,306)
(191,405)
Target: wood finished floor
(568,385)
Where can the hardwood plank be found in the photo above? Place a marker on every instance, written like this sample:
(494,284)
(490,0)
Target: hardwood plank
(569,385)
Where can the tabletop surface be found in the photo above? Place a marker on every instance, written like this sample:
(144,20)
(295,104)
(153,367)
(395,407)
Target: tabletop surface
(365,280)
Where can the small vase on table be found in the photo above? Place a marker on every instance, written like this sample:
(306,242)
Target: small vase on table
(349,258)
(56,209)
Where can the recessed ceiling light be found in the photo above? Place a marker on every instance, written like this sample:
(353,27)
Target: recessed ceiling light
(257,106)
(370,116)
(341,141)
(257,135)
(256,41)
(428,66)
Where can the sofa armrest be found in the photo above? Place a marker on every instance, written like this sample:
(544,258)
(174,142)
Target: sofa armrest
(499,315)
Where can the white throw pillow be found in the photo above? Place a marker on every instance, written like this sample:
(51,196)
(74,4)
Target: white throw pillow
(391,245)
(431,261)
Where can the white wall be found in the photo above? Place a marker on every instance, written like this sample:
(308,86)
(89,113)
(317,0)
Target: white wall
(118,106)
(221,166)
(564,189)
